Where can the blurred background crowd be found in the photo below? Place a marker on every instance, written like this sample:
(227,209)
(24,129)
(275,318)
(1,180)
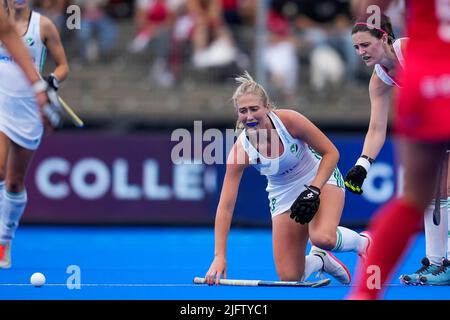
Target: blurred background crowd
(147,64)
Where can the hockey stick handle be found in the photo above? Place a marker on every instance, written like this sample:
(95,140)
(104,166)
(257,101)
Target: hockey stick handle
(230,282)
(75,119)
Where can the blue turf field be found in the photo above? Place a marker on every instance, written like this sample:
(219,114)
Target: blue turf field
(159,263)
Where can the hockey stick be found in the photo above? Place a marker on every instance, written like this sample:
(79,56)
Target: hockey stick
(264,283)
(437,197)
(71,114)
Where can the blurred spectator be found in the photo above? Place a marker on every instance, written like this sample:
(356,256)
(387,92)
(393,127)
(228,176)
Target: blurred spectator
(396,12)
(151,18)
(325,26)
(120,9)
(247,11)
(213,44)
(232,17)
(98,32)
(280,56)
(53,9)
(230,12)
(154,20)
(326,69)
(239,16)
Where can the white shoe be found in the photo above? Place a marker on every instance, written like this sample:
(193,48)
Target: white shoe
(332,265)
(5,254)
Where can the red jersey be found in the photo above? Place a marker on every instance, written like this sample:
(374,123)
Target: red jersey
(423,105)
(428,26)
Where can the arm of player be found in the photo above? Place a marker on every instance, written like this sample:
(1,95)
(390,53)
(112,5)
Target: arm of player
(302,128)
(20,54)
(225,211)
(307,203)
(52,40)
(380,102)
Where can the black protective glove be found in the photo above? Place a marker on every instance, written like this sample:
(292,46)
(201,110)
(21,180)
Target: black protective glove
(52,81)
(306,205)
(355,178)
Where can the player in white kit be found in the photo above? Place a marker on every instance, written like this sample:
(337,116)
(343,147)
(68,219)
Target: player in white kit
(379,48)
(11,41)
(304,186)
(21,124)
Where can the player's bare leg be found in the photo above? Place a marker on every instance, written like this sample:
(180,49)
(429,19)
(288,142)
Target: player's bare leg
(289,247)
(14,198)
(5,245)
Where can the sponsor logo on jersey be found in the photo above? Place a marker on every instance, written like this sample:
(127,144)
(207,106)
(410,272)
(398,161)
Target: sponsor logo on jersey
(6,58)
(29,41)
(294,148)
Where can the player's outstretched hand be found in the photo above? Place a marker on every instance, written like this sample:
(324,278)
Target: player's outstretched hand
(217,269)
(306,205)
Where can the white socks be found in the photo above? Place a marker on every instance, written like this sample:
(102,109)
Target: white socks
(436,237)
(313,263)
(2,188)
(349,240)
(12,208)
(448,228)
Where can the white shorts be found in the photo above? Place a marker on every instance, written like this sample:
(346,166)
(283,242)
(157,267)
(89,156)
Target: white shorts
(281,199)
(20,120)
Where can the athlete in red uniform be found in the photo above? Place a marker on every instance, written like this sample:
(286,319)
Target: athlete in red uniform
(422,123)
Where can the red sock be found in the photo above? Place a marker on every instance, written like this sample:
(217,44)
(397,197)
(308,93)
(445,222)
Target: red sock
(391,231)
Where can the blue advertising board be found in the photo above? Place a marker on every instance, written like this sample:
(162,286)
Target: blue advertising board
(135,179)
